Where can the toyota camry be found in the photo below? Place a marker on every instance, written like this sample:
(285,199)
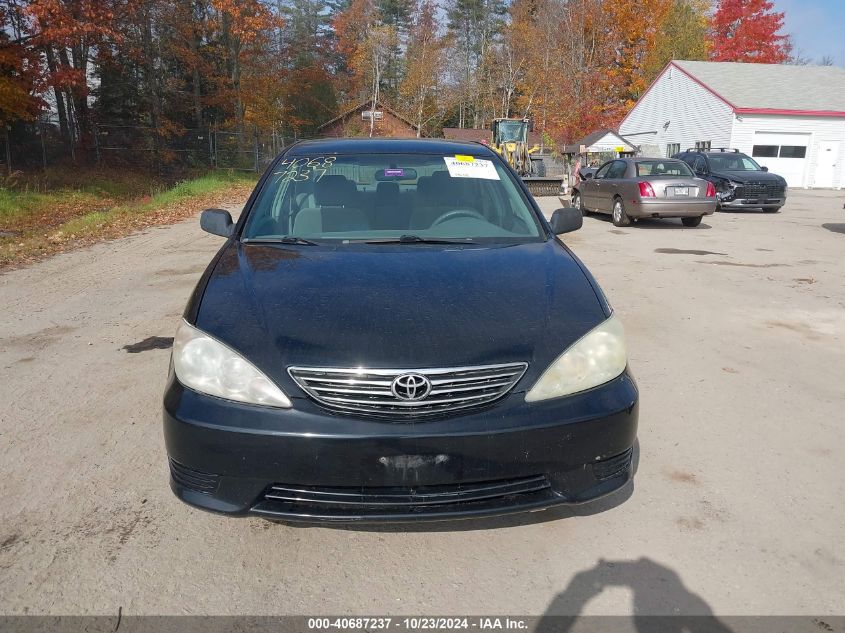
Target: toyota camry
(392,331)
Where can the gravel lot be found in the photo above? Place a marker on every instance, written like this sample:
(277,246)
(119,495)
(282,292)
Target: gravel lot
(737,337)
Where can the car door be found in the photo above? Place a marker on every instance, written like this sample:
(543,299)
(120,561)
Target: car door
(610,185)
(592,187)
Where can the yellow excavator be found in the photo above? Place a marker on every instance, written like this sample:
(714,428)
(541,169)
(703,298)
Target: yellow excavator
(510,139)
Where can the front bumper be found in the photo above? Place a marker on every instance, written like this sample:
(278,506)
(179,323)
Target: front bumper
(306,464)
(670,208)
(752,203)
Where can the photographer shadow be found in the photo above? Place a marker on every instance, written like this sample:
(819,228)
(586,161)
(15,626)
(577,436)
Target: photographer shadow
(656,590)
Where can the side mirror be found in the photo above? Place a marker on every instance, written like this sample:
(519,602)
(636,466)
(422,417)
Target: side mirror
(588,175)
(217,222)
(566,220)
(764,168)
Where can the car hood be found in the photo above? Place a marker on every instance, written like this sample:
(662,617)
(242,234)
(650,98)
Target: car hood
(749,176)
(405,306)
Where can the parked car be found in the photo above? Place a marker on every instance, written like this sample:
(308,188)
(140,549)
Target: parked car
(741,183)
(633,188)
(392,331)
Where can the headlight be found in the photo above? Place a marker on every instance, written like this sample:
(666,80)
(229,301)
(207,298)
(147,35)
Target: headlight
(597,357)
(207,365)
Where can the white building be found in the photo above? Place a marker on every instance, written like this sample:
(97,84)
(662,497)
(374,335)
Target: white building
(791,119)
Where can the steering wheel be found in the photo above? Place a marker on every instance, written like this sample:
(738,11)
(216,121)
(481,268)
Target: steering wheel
(458,213)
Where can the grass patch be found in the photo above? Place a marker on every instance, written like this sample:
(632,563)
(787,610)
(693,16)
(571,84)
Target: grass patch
(202,186)
(23,212)
(34,223)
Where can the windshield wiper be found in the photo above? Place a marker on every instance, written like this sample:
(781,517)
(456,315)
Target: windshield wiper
(417,239)
(287,239)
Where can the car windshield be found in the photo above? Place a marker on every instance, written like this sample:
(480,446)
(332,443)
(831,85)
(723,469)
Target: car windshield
(732,162)
(384,197)
(663,168)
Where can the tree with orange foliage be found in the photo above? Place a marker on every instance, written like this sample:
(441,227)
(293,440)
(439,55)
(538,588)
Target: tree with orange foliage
(748,31)
(20,73)
(682,35)
(351,27)
(634,29)
(245,29)
(67,31)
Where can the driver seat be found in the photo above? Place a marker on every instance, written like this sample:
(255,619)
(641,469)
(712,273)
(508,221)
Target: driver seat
(440,194)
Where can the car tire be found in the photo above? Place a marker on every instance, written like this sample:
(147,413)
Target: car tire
(578,203)
(619,217)
(692,221)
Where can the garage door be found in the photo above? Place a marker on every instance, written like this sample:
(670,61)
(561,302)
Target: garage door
(784,154)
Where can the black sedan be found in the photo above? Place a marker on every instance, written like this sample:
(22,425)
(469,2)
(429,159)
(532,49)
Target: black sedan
(392,331)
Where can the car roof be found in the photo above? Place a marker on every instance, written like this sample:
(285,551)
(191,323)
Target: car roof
(388,146)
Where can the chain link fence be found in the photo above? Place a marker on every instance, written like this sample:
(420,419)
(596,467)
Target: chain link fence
(42,144)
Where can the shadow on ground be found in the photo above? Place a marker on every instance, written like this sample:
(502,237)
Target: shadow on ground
(650,223)
(661,602)
(836,228)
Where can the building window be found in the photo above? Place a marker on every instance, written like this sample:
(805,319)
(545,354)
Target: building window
(765,151)
(703,146)
(793,151)
(784,151)
(672,149)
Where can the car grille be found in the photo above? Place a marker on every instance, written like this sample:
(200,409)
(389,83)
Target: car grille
(346,501)
(760,190)
(369,391)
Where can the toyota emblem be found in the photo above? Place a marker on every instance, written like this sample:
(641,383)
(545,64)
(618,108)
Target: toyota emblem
(410,387)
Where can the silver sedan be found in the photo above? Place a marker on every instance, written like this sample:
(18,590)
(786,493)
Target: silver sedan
(633,188)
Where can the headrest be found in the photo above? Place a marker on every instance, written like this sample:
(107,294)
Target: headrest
(387,190)
(333,190)
(440,178)
(443,186)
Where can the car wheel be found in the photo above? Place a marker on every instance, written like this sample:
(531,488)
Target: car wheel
(578,203)
(694,221)
(620,218)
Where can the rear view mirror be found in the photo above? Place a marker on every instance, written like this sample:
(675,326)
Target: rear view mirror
(566,220)
(396,173)
(217,222)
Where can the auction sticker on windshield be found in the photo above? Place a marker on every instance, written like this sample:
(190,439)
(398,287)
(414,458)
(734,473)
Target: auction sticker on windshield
(469,167)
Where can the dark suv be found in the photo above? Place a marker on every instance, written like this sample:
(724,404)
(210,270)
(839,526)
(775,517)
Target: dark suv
(740,182)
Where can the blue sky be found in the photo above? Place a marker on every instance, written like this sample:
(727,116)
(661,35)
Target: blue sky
(816,27)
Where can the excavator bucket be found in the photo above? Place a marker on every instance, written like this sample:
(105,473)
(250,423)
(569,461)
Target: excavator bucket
(538,186)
